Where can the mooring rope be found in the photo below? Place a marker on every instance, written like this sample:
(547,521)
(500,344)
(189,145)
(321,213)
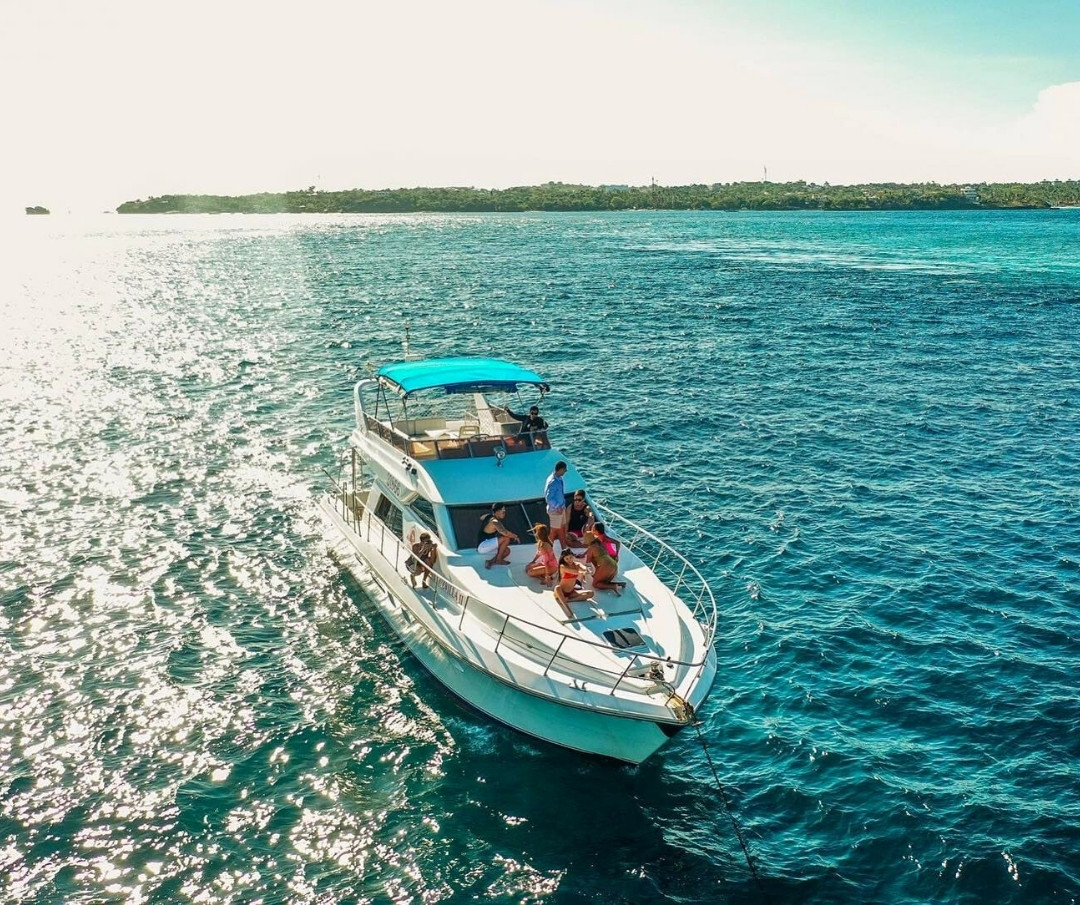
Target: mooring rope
(730,813)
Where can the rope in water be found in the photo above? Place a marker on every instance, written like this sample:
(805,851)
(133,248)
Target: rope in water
(727,807)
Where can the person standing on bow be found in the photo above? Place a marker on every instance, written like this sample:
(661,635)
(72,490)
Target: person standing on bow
(555,497)
(424,554)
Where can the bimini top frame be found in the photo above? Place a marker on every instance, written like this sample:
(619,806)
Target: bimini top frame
(457,375)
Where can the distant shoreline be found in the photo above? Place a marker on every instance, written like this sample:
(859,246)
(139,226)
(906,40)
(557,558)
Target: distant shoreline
(557,196)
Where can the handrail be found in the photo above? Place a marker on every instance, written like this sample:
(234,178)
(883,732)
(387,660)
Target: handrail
(475,446)
(355,514)
(704,609)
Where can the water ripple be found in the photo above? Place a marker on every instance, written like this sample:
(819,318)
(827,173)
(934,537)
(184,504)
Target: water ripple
(861,426)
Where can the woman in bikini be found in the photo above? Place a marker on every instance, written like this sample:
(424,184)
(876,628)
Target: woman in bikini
(570,571)
(610,544)
(544,565)
(604,567)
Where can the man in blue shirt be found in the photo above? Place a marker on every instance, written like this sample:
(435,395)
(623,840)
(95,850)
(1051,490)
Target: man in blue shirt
(555,496)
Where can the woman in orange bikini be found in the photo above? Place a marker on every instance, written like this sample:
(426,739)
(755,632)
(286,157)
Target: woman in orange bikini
(570,571)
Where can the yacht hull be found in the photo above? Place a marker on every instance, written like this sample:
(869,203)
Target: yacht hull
(588,731)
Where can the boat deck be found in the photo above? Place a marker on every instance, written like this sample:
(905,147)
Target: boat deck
(525,596)
(520,610)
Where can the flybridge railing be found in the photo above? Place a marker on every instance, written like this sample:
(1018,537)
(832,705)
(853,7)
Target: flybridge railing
(641,665)
(461,446)
(469,440)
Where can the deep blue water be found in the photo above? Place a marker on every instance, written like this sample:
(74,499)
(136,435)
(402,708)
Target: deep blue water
(864,427)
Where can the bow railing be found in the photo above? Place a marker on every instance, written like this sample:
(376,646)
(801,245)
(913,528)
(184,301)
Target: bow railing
(543,645)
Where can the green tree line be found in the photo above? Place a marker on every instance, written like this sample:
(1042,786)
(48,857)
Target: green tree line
(558,196)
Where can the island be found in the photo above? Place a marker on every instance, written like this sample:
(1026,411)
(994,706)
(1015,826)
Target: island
(37,209)
(558,196)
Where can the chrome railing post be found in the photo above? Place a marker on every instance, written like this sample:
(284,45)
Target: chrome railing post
(623,676)
(502,632)
(554,655)
(679,580)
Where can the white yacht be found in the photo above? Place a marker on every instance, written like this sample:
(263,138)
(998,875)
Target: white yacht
(437,443)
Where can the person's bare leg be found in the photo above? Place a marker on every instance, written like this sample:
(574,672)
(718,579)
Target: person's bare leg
(561,598)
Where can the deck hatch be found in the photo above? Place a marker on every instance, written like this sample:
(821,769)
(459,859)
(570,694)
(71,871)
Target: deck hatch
(625,638)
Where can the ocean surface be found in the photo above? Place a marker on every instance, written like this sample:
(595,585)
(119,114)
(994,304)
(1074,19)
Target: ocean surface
(865,428)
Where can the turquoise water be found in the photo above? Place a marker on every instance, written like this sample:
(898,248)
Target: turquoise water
(863,427)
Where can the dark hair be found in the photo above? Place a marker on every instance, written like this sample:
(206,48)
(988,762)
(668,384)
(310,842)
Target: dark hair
(534,411)
(561,465)
(495,507)
(598,528)
(565,553)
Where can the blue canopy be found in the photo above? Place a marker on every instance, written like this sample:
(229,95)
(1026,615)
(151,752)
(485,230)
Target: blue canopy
(457,375)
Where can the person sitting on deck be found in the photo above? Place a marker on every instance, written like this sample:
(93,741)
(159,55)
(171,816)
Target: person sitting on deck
(494,536)
(566,591)
(424,553)
(544,565)
(604,566)
(610,544)
(579,519)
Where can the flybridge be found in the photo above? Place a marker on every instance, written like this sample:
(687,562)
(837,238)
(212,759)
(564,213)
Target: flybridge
(439,408)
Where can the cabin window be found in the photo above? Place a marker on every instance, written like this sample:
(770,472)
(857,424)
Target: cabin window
(521,515)
(390,515)
(425,513)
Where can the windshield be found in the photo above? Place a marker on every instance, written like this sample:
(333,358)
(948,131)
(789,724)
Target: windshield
(521,515)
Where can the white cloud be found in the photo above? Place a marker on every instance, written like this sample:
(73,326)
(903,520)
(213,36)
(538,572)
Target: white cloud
(1052,128)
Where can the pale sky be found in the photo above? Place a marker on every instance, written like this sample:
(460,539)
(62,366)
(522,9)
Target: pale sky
(113,100)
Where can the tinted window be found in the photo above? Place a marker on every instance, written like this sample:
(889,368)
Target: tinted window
(390,514)
(424,512)
(520,517)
